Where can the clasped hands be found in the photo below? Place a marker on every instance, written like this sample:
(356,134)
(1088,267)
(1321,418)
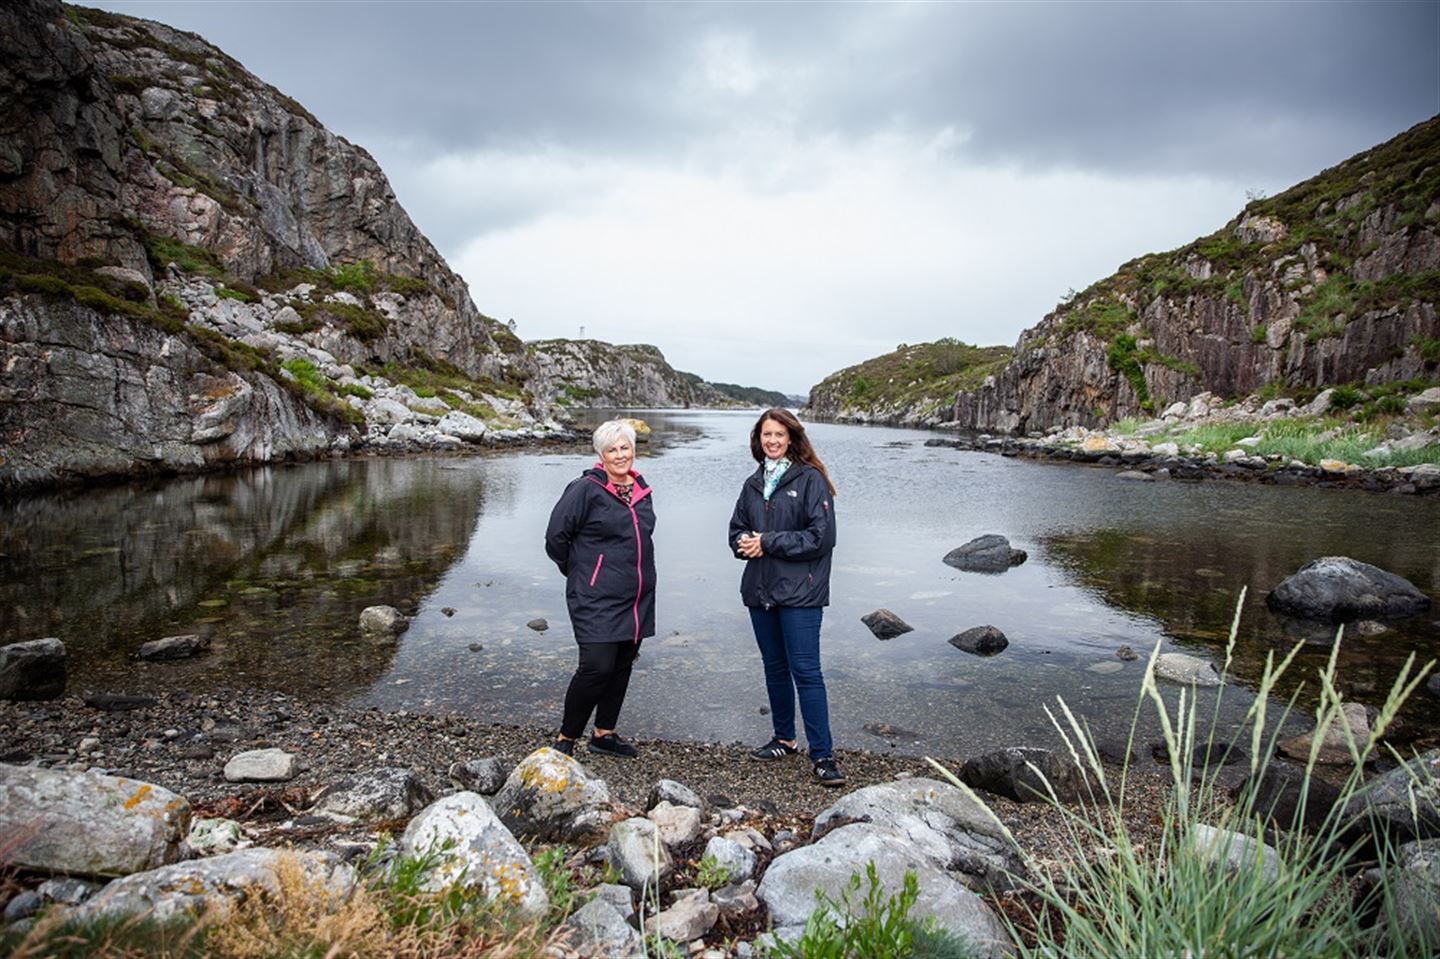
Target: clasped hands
(748,546)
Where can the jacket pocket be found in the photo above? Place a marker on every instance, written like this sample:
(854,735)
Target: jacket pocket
(599,561)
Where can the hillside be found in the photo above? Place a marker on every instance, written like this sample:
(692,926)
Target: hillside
(912,385)
(592,373)
(1333,282)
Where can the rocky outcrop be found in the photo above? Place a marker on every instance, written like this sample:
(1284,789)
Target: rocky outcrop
(1333,281)
(592,373)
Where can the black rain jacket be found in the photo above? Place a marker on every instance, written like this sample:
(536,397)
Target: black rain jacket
(604,549)
(797,533)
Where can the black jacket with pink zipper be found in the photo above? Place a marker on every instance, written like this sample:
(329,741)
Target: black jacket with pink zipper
(604,549)
(797,534)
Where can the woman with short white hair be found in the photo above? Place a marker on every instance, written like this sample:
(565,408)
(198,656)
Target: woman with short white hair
(599,536)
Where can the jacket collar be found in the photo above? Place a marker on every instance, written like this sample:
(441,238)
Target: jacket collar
(597,475)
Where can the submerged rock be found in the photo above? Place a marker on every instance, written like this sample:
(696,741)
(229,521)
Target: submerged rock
(382,622)
(1187,669)
(980,640)
(1336,589)
(990,553)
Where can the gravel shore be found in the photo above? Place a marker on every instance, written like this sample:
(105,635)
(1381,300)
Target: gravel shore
(183,742)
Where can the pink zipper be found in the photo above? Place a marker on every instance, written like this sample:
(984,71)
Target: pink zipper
(598,560)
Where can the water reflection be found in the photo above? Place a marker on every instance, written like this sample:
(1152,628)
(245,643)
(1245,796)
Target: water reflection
(276,564)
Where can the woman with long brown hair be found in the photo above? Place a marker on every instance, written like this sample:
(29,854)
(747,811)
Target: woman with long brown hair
(783,528)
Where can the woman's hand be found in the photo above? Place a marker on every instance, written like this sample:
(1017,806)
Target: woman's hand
(748,546)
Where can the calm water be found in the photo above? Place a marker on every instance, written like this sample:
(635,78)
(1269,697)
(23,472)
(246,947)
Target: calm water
(275,565)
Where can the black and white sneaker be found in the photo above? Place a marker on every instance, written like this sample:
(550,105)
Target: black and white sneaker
(612,745)
(828,773)
(774,749)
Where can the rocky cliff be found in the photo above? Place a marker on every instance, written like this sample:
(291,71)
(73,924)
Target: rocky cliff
(914,385)
(1335,281)
(592,373)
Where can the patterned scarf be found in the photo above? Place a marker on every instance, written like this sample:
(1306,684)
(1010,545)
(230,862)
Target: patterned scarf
(774,469)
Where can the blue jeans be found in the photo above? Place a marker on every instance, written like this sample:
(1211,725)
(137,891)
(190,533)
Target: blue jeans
(789,641)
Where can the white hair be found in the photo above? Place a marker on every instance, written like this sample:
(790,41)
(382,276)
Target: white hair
(610,432)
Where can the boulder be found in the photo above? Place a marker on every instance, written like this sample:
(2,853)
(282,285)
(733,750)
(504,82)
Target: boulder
(597,931)
(475,851)
(1336,589)
(676,794)
(260,766)
(736,899)
(990,553)
(218,883)
(1281,790)
(688,918)
(1187,669)
(462,425)
(620,896)
(549,796)
(483,776)
(389,793)
(940,821)
(980,640)
(679,825)
(792,881)
(1333,750)
(885,624)
(173,647)
(1426,401)
(1413,881)
(1386,801)
(87,823)
(1006,772)
(383,622)
(737,860)
(637,852)
(34,669)
(1234,851)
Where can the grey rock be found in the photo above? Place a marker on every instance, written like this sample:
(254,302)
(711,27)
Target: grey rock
(260,766)
(990,553)
(475,851)
(539,625)
(24,905)
(948,827)
(736,899)
(1333,750)
(389,793)
(549,796)
(1336,589)
(383,622)
(737,861)
(1007,772)
(676,794)
(462,425)
(791,882)
(1187,669)
(212,836)
(1234,851)
(218,883)
(34,669)
(1385,802)
(1285,796)
(885,624)
(1426,401)
(67,890)
(689,918)
(619,896)
(1135,476)
(679,825)
(173,647)
(86,823)
(597,931)
(484,776)
(638,853)
(980,640)
(1413,882)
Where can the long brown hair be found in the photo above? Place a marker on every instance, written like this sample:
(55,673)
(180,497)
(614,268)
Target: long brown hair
(800,448)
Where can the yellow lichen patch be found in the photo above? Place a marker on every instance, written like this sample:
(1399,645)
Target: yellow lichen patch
(546,778)
(139,796)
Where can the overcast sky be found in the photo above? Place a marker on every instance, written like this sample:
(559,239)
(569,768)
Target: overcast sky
(770,192)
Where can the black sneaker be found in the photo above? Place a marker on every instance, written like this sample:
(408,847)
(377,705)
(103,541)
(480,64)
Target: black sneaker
(774,749)
(828,773)
(612,745)
(566,746)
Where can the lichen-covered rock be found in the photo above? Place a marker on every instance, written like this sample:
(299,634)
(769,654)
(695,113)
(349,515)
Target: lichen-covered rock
(550,796)
(87,824)
(383,622)
(389,793)
(474,850)
(218,883)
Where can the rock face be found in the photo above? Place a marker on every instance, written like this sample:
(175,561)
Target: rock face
(1336,589)
(593,373)
(88,824)
(34,669)
(990,553)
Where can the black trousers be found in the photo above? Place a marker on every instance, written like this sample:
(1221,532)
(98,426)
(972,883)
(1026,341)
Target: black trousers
(598,686)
